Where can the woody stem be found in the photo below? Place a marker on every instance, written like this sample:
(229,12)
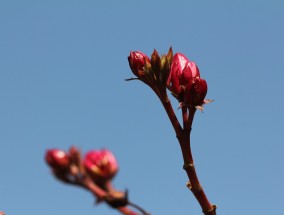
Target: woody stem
(183,136)
(138,208)
(101,194)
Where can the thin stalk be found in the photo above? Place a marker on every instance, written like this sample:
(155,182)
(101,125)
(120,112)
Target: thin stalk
(172,116)
(183,136)
(137,207)
(101,194)
(185,118)
(127,211)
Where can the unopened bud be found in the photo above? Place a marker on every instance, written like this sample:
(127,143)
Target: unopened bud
(57,159)
(101,165)
(137,62)
(181,74)
(195,92)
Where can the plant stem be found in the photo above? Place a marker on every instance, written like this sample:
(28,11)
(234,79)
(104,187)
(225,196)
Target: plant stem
(138,208)
(183,136)
(101,194)
(172,116)
(96,190)
(127,211)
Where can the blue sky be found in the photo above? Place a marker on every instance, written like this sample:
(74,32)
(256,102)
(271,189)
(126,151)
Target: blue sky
(62,71)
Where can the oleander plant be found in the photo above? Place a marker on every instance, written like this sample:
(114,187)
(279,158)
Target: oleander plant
(94,171)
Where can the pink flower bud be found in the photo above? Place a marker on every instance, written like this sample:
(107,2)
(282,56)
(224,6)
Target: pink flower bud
(194,69)
(57,159)
(137,61)
(101,165)
(182,73)
(195,92)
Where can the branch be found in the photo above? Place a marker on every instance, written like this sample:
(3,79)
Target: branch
(138,208)
(172,116)
(183,136)
(101,195)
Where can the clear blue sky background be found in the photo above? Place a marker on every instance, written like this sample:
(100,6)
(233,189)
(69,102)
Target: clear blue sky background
(62,71)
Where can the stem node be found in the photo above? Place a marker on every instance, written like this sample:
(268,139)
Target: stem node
(212,211)
(188,184)
(188,166)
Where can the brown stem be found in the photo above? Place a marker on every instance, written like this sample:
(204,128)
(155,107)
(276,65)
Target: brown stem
(172,116)
(185,117)
(138,208)
(101,194)
(183,136)
(127,211)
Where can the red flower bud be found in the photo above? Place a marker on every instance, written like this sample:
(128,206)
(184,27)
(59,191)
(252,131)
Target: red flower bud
(194,69)
(101,165)
(137,61)
(182,73)
(57,159)
(195,92)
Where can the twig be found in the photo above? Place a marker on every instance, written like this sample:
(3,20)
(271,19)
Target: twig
(138,208)
(183,136)
(101,195)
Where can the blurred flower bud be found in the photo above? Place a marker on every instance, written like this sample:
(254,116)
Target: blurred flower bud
(101,165)
(57,159)
(137,61)
(75,155)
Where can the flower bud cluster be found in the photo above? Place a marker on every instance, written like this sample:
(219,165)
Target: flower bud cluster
(100,165)
(93,172)
(185,83)
(177,73)
(153,72)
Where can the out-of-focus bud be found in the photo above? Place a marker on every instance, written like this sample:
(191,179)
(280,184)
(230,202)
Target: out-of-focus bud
(101,165)
(57,159)
(137,62)
(75,155)
(195,93)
